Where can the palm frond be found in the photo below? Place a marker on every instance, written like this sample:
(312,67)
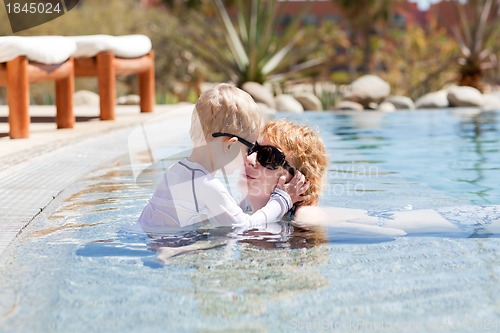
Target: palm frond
(253,45)
(232,38)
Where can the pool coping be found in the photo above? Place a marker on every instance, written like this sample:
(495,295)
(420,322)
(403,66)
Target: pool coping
(34,172)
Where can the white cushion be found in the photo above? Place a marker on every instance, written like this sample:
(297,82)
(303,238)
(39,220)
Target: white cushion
(43,49)
(128,46)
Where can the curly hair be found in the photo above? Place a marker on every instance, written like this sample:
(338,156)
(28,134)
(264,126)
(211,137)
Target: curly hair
(304,150)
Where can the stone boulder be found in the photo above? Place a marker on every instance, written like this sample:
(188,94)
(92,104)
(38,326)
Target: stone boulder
(491,102)
(433,100)
(267,112)
(86,97)
(287,103)
(259,93)
(386,107)
(464,96)
(367,90)
(309,101)
(401,102)
(128,100)
(349,106)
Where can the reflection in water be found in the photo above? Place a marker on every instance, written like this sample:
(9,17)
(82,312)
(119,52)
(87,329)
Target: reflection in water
(240,281)
(282,236)
(453,151)
(480,132)
(45,232)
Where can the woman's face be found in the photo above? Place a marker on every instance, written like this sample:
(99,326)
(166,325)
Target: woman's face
(237,154)
(257,181)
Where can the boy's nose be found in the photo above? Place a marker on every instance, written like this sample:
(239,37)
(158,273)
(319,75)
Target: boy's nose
(251,159)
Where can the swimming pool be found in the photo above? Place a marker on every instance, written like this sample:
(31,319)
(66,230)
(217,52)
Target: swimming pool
(82,269)
(454,154)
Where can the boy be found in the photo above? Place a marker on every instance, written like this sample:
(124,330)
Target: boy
(225,122)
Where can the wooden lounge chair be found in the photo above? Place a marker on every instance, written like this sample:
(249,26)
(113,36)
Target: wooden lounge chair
(105,57)
(32,59)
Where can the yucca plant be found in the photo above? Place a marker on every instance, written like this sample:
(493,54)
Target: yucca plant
(253,46)
(477,39)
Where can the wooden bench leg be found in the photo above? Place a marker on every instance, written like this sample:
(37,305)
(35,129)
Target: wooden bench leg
(106,82)
(18,97)
(147,87)
(65,87)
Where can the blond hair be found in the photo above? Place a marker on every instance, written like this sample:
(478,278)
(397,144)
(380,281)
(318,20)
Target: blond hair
(304,150)
(225,108)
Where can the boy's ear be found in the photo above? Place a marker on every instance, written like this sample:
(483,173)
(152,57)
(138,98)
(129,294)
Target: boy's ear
(230,141)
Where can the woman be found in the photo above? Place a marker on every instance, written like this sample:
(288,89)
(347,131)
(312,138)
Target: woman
(294,146)
(283,147)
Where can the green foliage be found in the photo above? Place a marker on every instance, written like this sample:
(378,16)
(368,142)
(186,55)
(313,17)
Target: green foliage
(184,4)
(329,96)
(366,19)
(418,61)
(253,46)
(340,77)
(363,14)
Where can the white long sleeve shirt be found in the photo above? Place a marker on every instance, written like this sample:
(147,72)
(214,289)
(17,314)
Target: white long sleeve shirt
(188,194)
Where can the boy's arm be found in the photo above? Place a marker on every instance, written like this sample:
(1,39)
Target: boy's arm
(224,210)
(278,205)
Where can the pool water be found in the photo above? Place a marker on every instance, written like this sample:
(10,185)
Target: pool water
(84,268)
(453,154)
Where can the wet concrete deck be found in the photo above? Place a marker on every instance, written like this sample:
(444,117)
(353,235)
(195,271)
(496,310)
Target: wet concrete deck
(34,171)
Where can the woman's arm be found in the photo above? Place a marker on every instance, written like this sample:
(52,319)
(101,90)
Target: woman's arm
(338,223)
(327,216)
(412,222)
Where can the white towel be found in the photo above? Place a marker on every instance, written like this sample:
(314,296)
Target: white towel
(128,46)
(43,49)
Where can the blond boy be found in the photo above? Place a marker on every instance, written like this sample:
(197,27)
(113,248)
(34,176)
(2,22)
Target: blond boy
(225,123)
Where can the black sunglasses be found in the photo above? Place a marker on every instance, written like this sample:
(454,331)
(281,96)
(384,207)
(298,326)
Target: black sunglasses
(268,156)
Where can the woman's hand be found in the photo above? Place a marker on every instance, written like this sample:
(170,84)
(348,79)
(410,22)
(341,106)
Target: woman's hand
(296,187)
